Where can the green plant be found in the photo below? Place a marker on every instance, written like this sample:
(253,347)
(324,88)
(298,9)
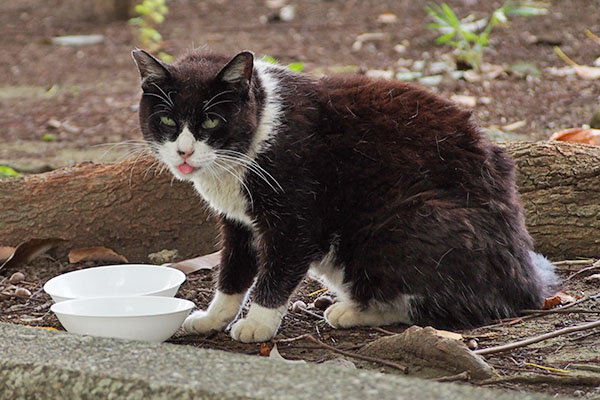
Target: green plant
(469,37)
(151,14)
(8,172)
(295,66)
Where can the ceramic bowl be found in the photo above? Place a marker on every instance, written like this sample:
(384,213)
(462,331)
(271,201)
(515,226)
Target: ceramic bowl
(148,318)
(115,281)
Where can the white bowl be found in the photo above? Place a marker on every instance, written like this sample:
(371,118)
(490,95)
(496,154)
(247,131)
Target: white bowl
(150,318)
(115,281)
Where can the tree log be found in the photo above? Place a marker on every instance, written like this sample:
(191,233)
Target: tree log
(130,208)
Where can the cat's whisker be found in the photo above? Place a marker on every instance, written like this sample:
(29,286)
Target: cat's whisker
(205,109)
(161,98)
(249,166)
(251,163)
(207,103)
(217,114)
(167,97)
(133,145)
(232,173)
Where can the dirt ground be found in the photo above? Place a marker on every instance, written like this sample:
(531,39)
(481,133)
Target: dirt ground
(85,97)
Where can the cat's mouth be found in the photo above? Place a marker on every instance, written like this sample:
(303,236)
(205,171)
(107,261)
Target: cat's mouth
(186,168)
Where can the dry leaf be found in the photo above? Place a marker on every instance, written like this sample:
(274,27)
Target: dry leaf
(274,355)
(593,277)
(28,250)
(581,135)
(103,254)
(559,298)
(448,334)
(265,350)
(587,72)
(514,126)
(208,261)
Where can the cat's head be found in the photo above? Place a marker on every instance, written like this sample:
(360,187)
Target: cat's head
(198,112)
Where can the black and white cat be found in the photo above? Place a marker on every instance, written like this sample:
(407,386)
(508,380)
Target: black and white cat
(388,192)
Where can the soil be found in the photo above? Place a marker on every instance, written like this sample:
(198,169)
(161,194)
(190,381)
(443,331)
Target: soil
(548,358)
(85,97)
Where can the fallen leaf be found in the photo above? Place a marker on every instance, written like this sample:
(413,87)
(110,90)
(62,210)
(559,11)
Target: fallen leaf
(208,261)
(448,334)
(28,250)
(587,72)
(103,254)
(6,252)
(423,346)
(560,297)
(514,126)
(550,302)
(274,355)
(593,277)
(580,135)
(265,350)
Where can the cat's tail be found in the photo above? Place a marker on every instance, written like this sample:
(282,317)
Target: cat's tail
(546,273)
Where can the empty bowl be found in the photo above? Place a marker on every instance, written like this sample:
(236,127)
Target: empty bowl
(149,318)
(115,281)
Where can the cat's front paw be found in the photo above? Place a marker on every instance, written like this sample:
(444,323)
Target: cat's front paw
(260,325)
(342,315)
(203,322)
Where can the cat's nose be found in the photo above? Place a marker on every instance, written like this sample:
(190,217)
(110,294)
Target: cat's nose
(185,154)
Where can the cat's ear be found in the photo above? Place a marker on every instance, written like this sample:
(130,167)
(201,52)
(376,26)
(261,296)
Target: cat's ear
(151,69)
(238,71)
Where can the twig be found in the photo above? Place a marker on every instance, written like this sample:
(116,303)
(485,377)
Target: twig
(578,380)
(384,331)
(463,376)
(596,265)
(535,339)
(592,36)
(561,311)
(312,314)
(573,262)
(345,353)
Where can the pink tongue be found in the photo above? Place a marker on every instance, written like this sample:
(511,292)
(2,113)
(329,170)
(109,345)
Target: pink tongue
(185,168)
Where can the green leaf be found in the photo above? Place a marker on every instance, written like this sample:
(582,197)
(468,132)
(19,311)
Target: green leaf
(166,57)
(451,17)
(142,9)
(524,11)
(445,38)
(296,66)
(269,59)
(8,172)
(49,137)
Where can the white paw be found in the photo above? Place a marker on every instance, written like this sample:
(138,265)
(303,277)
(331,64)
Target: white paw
(249,330)
(203,322)
(260,324)
(221,311)
(343,315)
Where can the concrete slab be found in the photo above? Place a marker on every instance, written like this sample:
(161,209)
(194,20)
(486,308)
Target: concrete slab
(41,364)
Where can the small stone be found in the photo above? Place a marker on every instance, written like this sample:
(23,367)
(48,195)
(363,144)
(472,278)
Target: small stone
(22,292)
(287,13)
(380,74)
(464,100)
(400,48)
(432,80)
(16,277)
(579,393)
(322,302)
(298,306)
(164,256)
(387,18)
(472,344)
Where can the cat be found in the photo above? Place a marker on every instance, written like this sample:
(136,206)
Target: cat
(386,191)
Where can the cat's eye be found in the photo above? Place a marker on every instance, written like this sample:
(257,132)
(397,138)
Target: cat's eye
(167,121)
(211,123)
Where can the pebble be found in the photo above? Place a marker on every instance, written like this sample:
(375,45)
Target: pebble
(22,292)
(432,80)
(322,302)
(472,344)
(298,306)
(16,277)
